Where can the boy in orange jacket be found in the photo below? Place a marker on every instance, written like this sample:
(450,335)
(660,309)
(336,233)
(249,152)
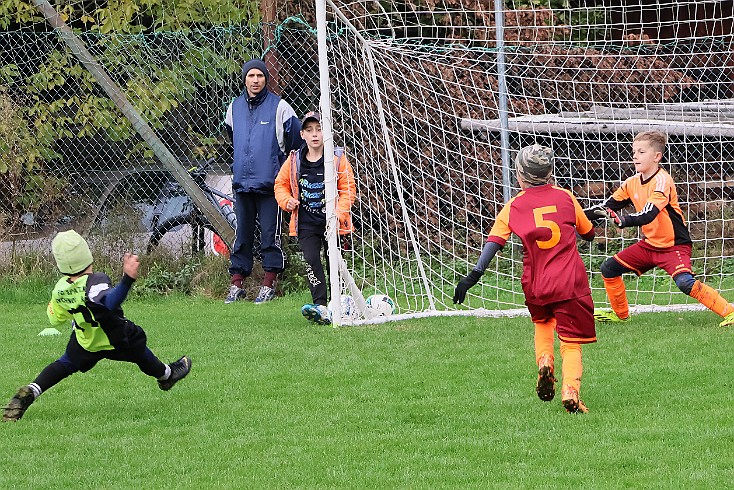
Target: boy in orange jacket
(300,189)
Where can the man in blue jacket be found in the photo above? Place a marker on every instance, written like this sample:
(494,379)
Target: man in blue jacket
(264,129)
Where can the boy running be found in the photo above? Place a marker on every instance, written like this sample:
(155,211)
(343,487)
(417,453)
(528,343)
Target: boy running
(300,190)
(546,218)
(666,243)
(100,329)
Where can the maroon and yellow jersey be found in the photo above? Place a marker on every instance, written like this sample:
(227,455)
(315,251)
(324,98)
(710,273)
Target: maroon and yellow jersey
(658,213)
(546,218)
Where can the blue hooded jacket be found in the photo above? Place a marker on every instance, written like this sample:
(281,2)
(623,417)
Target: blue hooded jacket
(262,136)
(264,130)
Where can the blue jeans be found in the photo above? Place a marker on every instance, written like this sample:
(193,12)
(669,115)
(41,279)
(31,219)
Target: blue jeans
(250,207)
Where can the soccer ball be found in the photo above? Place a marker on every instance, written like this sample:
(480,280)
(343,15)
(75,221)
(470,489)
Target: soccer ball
(348,307)
(381,304)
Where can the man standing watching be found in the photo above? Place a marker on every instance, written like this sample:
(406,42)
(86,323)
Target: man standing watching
(264,128)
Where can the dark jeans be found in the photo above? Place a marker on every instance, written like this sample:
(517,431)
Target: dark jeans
(311,244)
(248,207)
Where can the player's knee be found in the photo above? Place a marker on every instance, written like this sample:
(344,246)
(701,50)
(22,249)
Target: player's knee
(685,282)
(65,366)
(611,268)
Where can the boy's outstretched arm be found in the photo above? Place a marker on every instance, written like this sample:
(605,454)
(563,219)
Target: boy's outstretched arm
(488,253)
(115,296)
(647,215)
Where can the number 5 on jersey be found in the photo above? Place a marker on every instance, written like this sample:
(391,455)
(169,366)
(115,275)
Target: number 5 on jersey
(541,222)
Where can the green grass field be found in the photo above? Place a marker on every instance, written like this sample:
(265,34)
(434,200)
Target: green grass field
(274,402)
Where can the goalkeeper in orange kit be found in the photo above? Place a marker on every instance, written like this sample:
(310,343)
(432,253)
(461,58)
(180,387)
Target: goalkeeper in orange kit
(547,218)
(666,243)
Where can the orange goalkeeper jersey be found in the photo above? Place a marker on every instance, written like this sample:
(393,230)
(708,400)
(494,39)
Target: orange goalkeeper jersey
(657,198)
(546,218)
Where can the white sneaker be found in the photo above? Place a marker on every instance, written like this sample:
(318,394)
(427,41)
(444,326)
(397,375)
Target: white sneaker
(266,294)
(235,293)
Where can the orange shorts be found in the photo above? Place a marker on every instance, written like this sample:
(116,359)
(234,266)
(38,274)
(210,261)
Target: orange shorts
(574,318)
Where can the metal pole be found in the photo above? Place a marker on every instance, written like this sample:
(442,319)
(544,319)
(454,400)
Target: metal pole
(499,20)
(223,227)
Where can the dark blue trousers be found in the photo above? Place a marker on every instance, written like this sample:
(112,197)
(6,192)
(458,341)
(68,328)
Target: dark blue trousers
(250,207)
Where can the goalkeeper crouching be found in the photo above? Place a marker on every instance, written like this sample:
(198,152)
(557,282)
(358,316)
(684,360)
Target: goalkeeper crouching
(86,300)
(547,218)
(666,243)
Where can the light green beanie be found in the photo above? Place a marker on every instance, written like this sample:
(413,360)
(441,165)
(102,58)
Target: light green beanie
(71,252)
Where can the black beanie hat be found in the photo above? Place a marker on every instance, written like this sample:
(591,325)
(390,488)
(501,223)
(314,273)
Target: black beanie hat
(256,64)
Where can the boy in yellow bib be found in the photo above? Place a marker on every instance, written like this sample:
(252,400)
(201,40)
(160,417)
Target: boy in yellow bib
(100,329)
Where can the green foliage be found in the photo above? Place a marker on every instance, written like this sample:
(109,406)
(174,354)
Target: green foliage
(130,39)
(25,186)
(163,279)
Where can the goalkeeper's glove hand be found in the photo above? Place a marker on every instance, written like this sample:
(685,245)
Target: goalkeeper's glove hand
(460,292)
(618,219)
(595,213)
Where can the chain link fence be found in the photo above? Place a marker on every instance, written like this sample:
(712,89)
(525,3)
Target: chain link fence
(71,159)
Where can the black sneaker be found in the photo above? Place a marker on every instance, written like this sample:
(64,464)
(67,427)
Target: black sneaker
(179,370)
(18,404)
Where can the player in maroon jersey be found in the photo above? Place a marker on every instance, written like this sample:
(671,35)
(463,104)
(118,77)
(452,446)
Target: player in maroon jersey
(547,218)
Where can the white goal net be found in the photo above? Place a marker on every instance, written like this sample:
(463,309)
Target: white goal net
(432,109)
(429,106)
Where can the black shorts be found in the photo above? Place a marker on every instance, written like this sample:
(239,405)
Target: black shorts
(135,350)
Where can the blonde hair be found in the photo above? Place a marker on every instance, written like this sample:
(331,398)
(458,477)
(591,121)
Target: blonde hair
(656,139)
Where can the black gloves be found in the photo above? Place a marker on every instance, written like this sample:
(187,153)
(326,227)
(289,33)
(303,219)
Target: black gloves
(618,219)
(460,292)
(595,214)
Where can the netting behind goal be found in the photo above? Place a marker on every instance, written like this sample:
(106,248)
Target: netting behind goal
(417,96)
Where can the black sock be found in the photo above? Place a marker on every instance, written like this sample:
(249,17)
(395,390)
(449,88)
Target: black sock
(52,374)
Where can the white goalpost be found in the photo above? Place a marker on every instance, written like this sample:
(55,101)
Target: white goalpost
(431,108)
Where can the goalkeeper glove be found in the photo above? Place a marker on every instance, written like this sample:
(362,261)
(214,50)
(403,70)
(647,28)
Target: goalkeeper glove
(618,219)
(460,292)
(595,213)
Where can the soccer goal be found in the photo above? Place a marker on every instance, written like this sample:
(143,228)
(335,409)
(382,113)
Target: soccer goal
(432,100)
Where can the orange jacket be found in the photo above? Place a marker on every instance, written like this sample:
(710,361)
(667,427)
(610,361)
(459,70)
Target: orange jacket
(286,187)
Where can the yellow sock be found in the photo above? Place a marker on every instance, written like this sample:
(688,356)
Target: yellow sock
(711,299)
(544,338)
(572,367)
(617,294)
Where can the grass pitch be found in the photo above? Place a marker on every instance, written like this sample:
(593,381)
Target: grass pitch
(275,402)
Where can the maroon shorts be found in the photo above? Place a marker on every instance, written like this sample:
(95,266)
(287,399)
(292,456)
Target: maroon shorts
(574,318)
(641,257)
